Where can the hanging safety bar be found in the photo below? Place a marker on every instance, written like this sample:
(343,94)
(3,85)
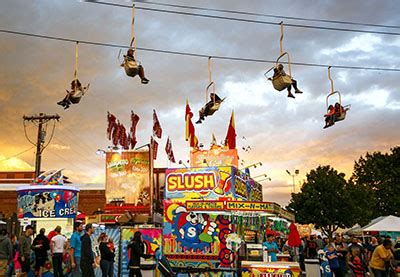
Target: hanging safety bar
(133,40)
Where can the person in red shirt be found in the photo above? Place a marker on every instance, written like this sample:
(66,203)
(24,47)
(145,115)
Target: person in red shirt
(355,263)
(330,117)
(52,233)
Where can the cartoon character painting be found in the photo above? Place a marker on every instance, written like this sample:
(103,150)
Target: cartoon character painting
(189,228)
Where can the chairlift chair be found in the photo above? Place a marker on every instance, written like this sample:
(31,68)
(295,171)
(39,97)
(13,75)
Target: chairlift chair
(343,109)
(214,104)
(281,82)
(130,64)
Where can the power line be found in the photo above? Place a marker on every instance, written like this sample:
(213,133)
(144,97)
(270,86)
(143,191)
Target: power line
(250,20)
(268,15)
(196,54)
(16,155)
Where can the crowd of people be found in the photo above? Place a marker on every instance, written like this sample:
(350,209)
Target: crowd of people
(15,254)
(379,257)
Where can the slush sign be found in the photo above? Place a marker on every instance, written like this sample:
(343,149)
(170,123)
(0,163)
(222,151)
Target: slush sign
(191,181)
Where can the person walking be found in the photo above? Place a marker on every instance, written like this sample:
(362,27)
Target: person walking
(107,256)
(40,246)
(137,251)
(381,255)
(87,263)
(76,244)
(25,243)
(6,252)
(14,266)
(57,250)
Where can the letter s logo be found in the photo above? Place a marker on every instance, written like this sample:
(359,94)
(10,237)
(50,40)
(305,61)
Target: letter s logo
(191,232)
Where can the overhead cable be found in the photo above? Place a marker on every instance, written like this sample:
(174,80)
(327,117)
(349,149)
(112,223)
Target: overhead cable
(113,45)
(249,20)
(268,15)
(16,155)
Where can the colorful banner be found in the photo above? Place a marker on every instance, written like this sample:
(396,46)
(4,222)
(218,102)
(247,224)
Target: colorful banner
(47,202)
(245,206)
(216,156)
(271,271)
(152,239)
(128,178)
(199,183)
(195,239)
(205,205)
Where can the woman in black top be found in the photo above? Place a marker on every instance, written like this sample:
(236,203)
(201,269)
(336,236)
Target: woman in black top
(137,251)
(107,256)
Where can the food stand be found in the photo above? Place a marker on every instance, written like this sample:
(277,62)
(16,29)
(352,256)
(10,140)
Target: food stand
(47,202)
(203,208)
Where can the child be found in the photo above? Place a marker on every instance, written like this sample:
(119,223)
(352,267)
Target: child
(129,58)
(278,71)
(332,256)
(355,263)
(330,117)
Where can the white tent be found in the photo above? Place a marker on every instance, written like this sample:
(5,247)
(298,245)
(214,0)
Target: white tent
(388,223)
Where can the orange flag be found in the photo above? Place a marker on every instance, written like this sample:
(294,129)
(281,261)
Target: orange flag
(190,135)
(230,139)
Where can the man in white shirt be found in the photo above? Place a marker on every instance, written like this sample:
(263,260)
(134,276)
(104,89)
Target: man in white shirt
(57,250)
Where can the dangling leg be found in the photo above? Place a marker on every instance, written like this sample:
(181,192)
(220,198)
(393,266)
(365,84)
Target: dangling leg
(327,122)
(141,75)
(296,90)
(201,116)
(289,88)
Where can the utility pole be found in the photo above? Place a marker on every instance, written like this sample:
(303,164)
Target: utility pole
(41,136)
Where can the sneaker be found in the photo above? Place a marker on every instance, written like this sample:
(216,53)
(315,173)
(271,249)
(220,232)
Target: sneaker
(298,91)
(61,103)
(145,81)
(66,107)
(290,95)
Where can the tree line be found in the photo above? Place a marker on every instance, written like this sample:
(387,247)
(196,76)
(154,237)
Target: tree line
(329,201)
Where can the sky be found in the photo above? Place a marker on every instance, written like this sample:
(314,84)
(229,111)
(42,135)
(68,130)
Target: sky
(283,134)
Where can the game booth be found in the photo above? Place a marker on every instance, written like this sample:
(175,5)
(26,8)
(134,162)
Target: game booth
(215,222)
(48,203)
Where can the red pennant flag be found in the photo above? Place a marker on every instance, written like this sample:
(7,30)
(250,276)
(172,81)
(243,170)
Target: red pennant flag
(116,133)
(154,147)
(157,131)
(190,133)
(230,139)
(169,151)
(134,121)
(112,122)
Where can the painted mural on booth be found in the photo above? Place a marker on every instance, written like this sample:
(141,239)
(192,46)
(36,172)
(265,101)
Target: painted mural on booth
(152,239)
(195,239)
(54,203)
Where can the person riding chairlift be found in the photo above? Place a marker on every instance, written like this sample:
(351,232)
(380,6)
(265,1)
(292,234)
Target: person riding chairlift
(278,71)
(73,96)
(207,109)
(130,58)
(330,117)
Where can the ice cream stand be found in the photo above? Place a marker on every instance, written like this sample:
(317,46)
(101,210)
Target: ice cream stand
(47,202)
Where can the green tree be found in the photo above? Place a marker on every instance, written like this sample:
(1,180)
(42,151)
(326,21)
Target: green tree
(324,200)
(379,175)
